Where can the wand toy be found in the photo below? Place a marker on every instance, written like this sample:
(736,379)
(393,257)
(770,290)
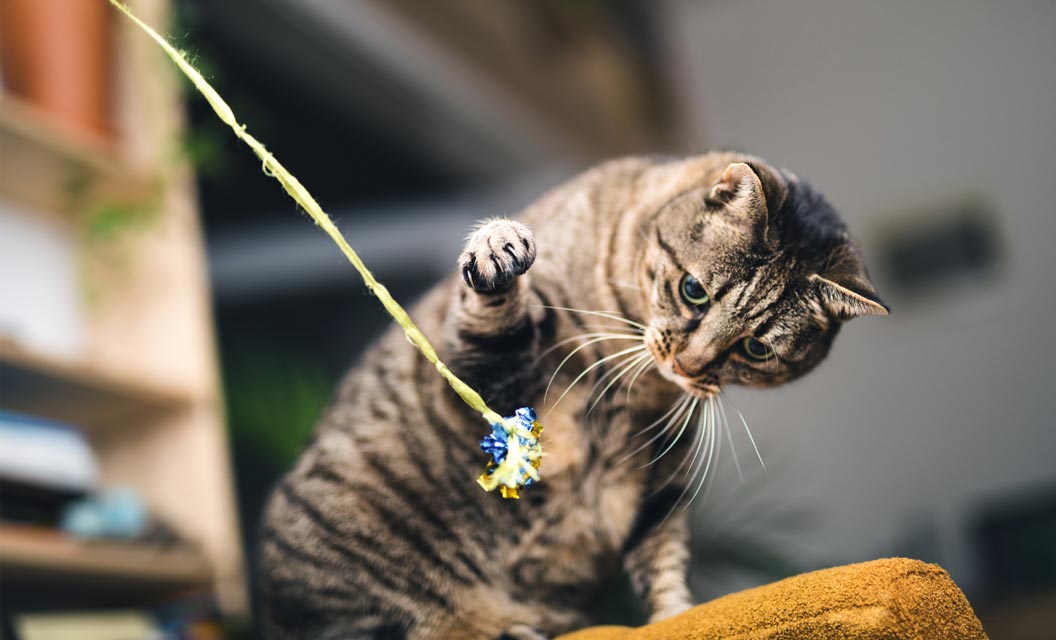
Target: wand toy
(514,441)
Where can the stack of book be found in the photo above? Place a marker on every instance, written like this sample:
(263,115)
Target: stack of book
(44,465)
(192,618)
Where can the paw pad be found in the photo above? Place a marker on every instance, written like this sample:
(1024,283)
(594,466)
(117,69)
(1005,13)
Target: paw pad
(496,253)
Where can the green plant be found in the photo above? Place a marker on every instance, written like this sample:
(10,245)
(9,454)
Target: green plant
(273,403)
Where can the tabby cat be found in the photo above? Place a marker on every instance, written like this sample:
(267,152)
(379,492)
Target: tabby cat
(674,277)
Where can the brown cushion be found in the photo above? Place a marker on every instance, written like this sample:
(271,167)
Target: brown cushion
(889,599)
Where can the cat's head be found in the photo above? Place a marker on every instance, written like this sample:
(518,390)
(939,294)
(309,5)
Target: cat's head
(748,277)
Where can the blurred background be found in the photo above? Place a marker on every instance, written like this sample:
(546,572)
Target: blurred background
(171,325)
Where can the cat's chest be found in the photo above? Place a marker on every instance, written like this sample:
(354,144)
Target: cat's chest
(592,495)
(566,444)
(574,533)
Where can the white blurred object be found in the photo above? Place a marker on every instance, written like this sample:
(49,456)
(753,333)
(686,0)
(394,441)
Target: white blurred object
(39,290)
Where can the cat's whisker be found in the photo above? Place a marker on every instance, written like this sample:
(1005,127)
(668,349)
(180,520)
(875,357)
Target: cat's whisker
(568,357)
(645,366)
(641,362)
(587,336)
(694,451)
(709,481)
(636,361)
(748,431)
(699,445)
(703,428)
(702,435)
(611,371)
(714,436)
(674,412)
(684,399)
(729,436)
(702,444)
(601,314)
(586,344)
(583,373)
(667,427)
(628,361)
(608,328)
(678,436)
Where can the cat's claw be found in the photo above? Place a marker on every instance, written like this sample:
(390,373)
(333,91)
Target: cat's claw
(523,632)
(497,252)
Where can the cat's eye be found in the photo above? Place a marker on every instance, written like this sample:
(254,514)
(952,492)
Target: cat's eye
(756,350)
(693,292)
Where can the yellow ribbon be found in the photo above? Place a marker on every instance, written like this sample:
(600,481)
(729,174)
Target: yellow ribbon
(293,186)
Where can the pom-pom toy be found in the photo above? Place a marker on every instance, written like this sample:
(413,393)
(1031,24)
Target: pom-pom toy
(513,442)
(515,453)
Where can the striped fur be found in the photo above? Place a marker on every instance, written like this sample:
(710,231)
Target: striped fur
(380,531)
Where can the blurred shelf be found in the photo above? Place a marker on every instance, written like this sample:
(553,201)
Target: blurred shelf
(38,554)
(50,165)
(145,426)
(79,394)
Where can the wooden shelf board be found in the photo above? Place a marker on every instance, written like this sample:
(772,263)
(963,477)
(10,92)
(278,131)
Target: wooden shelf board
(45,162)
(43,554)
(79,394)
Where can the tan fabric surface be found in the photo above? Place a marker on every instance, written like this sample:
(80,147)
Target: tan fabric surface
(883,599)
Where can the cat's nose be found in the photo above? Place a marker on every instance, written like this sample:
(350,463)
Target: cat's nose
(693,366)
(676,366)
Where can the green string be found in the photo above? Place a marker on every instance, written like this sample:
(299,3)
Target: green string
(293,186)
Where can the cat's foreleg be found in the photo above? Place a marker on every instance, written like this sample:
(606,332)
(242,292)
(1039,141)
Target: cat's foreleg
(492,339)
(657,556)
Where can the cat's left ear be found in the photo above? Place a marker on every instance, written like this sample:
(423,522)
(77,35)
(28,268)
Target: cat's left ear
(845,289)
(749,191)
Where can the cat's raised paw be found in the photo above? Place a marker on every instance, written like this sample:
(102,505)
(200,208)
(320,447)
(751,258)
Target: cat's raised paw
(522,632)
(497,252)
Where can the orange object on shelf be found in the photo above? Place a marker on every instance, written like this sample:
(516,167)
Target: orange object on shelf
(57,55)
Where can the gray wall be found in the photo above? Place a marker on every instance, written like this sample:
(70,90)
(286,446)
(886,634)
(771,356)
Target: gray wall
(891,107)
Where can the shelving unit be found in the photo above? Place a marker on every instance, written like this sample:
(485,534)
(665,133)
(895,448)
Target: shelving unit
(45,162)
(91,398)
(33,552)
(144,387)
